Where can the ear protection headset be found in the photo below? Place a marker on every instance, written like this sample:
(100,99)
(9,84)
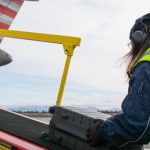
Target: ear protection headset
(138,36)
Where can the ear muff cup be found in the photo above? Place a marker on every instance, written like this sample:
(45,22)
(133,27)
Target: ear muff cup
(138,37)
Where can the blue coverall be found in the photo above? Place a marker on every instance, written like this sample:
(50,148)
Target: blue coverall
(132,126)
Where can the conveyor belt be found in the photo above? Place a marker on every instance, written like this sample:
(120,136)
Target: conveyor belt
(25,128)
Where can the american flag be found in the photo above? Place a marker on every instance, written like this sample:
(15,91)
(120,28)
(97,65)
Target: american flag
(8,12)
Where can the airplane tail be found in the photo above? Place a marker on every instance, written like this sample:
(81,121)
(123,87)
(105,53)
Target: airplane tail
(8,12)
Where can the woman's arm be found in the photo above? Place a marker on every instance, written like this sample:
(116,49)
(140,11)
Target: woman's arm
(133,125)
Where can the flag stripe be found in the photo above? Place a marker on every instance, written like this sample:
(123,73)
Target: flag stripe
(6,19)
(7,11)
(3,25)
(4,2)
(11,5)
(15,7)
(19,2)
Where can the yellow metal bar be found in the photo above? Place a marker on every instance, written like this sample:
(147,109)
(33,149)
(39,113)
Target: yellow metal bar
(63,81)
(59,39)
(69,44)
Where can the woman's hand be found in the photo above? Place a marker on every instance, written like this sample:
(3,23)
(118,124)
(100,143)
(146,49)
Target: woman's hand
(94,135)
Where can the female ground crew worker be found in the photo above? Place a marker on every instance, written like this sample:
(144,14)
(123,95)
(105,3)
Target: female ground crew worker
(132,126)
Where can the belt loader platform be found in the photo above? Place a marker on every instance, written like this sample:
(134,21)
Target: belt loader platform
(18,132)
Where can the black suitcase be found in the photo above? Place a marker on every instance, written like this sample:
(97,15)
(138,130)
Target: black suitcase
(69,124)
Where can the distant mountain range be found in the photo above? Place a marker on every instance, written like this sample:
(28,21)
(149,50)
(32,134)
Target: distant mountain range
(45,108)
(29,108)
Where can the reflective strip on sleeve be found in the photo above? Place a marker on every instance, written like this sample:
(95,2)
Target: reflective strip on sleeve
(140,137)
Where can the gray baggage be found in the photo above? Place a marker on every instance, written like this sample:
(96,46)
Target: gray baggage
(69,124)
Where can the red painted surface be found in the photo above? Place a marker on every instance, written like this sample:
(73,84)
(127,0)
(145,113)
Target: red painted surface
(8,12)
(19,2)
(3,25)
(19,143)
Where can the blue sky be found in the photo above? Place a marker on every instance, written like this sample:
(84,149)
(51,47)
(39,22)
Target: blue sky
(95,77)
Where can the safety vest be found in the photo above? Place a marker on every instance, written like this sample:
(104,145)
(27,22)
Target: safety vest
(145,57)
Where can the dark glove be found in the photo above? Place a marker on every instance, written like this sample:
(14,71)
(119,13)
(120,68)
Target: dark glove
(94,135)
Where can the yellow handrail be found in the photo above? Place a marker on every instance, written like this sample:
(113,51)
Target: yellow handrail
(69,43)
